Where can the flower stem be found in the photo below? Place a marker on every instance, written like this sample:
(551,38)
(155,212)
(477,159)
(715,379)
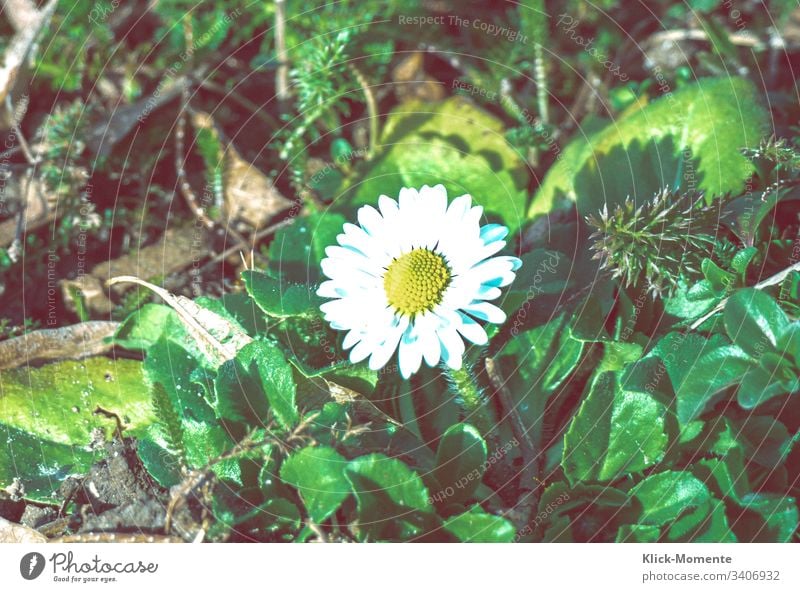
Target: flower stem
(472,398)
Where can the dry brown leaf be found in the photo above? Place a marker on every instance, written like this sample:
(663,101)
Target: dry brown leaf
(249,195)
(17,533)
(218,338)
(411,81)
(72,342)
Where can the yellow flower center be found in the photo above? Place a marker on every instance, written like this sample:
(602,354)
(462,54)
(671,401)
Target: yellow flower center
(416,281)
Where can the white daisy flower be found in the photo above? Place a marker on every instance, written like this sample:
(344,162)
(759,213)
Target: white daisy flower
(416,277)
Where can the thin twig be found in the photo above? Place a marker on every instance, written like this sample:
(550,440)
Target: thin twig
(180,170)
(372,110)
(261,234)
(770,281)
(317,530)
(15,117)
(282,73)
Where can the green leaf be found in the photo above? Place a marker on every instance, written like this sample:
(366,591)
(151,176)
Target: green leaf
(538,362)
(759,386)
(614,432)
(543,271)
(159,459)
(460,459)
(275,375)
(318,474)
(39,463)
(452,142)
(789,342)
(706,524)
(280,299)
(741,260)
(56,402)
(779,516)
(691,301)
(668,495)
(143,327)
(719,279)
(754,321)
(205,443)
(257,380)
(239,394)
(296,251)
(645,150)
(766,517)
(168,364)
(392,500)
(47,419)
(699,368)
(476,526)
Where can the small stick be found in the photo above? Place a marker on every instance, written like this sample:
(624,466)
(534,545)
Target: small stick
(282,73)
(242,244)
(183,181)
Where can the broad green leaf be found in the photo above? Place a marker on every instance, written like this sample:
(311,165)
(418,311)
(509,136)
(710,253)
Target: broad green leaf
(779,517)
(205,443)
(766,517)
(699,368)
(239,394)
(296,251)
(708,523)
(257,380)
(277,380)
(691,301)
(168,364)
(719,279)
(713,372)
(614,432)
(143,327)
(759,386)
(47,419)
(171,366)
(646,150)
(56,402)
(40,464)
(543,272)
(279,298)
(754,321)
(538,362)
(476,526)
(318,474)
(454,143)
(391,499)
(162,464)
(668,495)
(460,460)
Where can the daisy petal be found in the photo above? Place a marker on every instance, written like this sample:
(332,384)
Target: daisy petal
(486,312)
(410,354)
(473,331)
